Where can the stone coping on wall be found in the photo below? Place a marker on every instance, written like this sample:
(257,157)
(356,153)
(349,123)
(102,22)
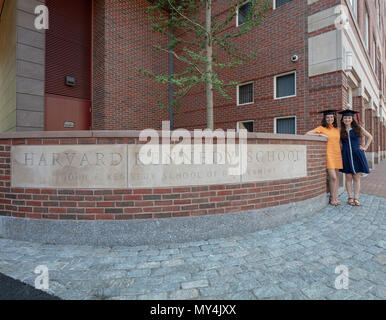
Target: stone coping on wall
(150,232)
(135,134)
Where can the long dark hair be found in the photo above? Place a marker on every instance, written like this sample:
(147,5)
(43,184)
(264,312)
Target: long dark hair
(355,127)
(324,122)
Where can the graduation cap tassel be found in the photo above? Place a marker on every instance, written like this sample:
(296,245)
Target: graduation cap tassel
(358,117)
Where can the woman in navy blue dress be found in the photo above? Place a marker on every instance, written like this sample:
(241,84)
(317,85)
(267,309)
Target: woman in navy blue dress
(353,153)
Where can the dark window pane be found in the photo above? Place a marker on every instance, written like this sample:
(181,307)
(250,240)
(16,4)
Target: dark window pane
(243,13)
(285,85)
(248,125)
(246,93)
(286,125)
(279,3)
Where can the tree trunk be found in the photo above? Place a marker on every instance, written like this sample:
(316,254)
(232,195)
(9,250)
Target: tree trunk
(208,69)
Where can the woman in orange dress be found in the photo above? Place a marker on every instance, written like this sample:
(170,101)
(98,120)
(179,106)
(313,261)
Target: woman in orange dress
(329,128)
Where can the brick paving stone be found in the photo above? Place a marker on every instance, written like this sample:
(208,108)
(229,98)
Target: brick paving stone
(375,182)
(195,284)
(153,296)
(268,292)
(380,258)
(318,291)
(184,294)
(242,295)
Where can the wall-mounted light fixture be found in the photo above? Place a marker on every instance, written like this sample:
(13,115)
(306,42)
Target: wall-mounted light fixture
(70,81)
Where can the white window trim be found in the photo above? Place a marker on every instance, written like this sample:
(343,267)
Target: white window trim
(253,93)
(373,54)
(237,13)
(350,98)
(354,8)
(274,85)
(238,124)
(274,5)
(367,29)
(286,117)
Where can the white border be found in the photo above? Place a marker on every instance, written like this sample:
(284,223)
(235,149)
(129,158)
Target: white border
(274,85)
(253,93)
(286,117)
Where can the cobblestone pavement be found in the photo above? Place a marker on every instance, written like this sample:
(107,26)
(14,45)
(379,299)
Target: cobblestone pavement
(375,182)
(293,261)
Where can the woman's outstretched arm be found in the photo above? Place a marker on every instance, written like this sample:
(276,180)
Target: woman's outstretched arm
(369,139)
(315,133)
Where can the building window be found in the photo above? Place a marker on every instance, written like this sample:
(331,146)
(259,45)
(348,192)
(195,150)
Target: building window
(353,4)
(285,85)
(379,15)
(242,13)
(285,125)
(366,28)
(245,93)
(279,3)
(349,98)
(373,54)
(247,125)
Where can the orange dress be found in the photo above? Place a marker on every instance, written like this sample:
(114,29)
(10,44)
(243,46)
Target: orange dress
(334,154)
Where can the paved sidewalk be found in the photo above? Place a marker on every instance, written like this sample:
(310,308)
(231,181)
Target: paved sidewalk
(294,261)
(375,182)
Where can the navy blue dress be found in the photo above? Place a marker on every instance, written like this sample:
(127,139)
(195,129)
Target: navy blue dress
(354,159)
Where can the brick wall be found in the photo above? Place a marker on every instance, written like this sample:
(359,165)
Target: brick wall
(151,203)
(122,41)
(123,99)
(280,36)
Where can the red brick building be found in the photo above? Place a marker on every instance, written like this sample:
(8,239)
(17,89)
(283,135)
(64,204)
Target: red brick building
(81,73)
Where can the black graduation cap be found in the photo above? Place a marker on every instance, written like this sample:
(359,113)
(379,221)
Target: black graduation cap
(327,112)
(348,112)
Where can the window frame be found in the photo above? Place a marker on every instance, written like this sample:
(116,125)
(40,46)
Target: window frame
(275,87)
(354,7)
(285,117)
(349,98)
(378,3)
(237,13)
(274,4)
(374,54)
(238,93)
(366,26)
(238,125)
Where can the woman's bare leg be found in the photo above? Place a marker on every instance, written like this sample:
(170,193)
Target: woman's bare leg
(333,182)
(357,185)
(349,184)
(337,185)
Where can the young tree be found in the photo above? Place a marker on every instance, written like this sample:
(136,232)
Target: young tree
(204,42)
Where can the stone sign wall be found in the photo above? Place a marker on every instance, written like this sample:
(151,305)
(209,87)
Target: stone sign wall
(98,175)
(120,166)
